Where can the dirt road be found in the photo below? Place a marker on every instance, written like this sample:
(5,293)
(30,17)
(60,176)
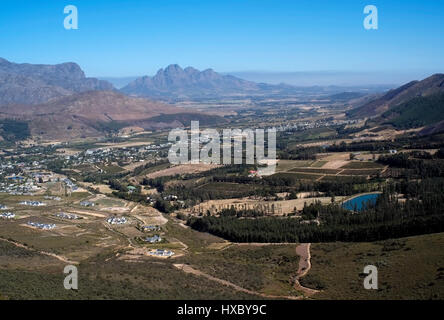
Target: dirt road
(303,251)
(56,256)
(188,269)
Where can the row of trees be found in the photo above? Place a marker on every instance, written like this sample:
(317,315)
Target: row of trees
(421,168)
(421,213)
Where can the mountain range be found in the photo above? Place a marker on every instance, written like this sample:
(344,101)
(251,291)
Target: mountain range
(174,84)
(96,113)
(177,83)
(36,83)
(60,102)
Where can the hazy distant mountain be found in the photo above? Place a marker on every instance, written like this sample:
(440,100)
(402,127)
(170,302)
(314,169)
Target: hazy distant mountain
(402,95)
(96,113)
(357,78)
(118,82)
(36,83)
(346,96)
(175,82)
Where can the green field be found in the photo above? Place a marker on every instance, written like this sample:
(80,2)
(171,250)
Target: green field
(363,172)
(314,170)
(304,176)
(318,164)
(344,179)
(286,165)
(362,165)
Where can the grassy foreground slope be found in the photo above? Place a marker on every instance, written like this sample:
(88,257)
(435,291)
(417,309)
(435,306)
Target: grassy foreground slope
(101,277)
(409,268)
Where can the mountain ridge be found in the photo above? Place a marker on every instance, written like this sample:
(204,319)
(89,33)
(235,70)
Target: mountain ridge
(424,88)
(175,82)
(25,83)
(97,113)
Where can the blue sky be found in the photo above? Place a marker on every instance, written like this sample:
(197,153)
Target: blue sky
(126,38)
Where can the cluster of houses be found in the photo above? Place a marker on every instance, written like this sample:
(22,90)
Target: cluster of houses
(42,177)
(117,220)
(154,147)
(32,203)
(69,216)
(43,226)
(300,126)
(150,228)
(161,253)
(7,215)
(71,185)
(53,198)
(114,155)
(87,204)
(26,178)
(154,239)
(20,178)
(18,185)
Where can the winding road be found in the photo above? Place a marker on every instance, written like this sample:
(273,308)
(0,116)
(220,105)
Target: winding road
(50,254)
(303,250)
(188,269)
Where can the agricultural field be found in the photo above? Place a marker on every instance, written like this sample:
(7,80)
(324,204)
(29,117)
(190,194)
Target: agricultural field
(287,165)
(180,170)
(275,208)
(330,167)
(362,165)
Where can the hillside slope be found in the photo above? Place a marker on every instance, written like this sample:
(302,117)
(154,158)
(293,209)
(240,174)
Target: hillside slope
(97,113)
(417,112)
(37,83)
(427,87)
